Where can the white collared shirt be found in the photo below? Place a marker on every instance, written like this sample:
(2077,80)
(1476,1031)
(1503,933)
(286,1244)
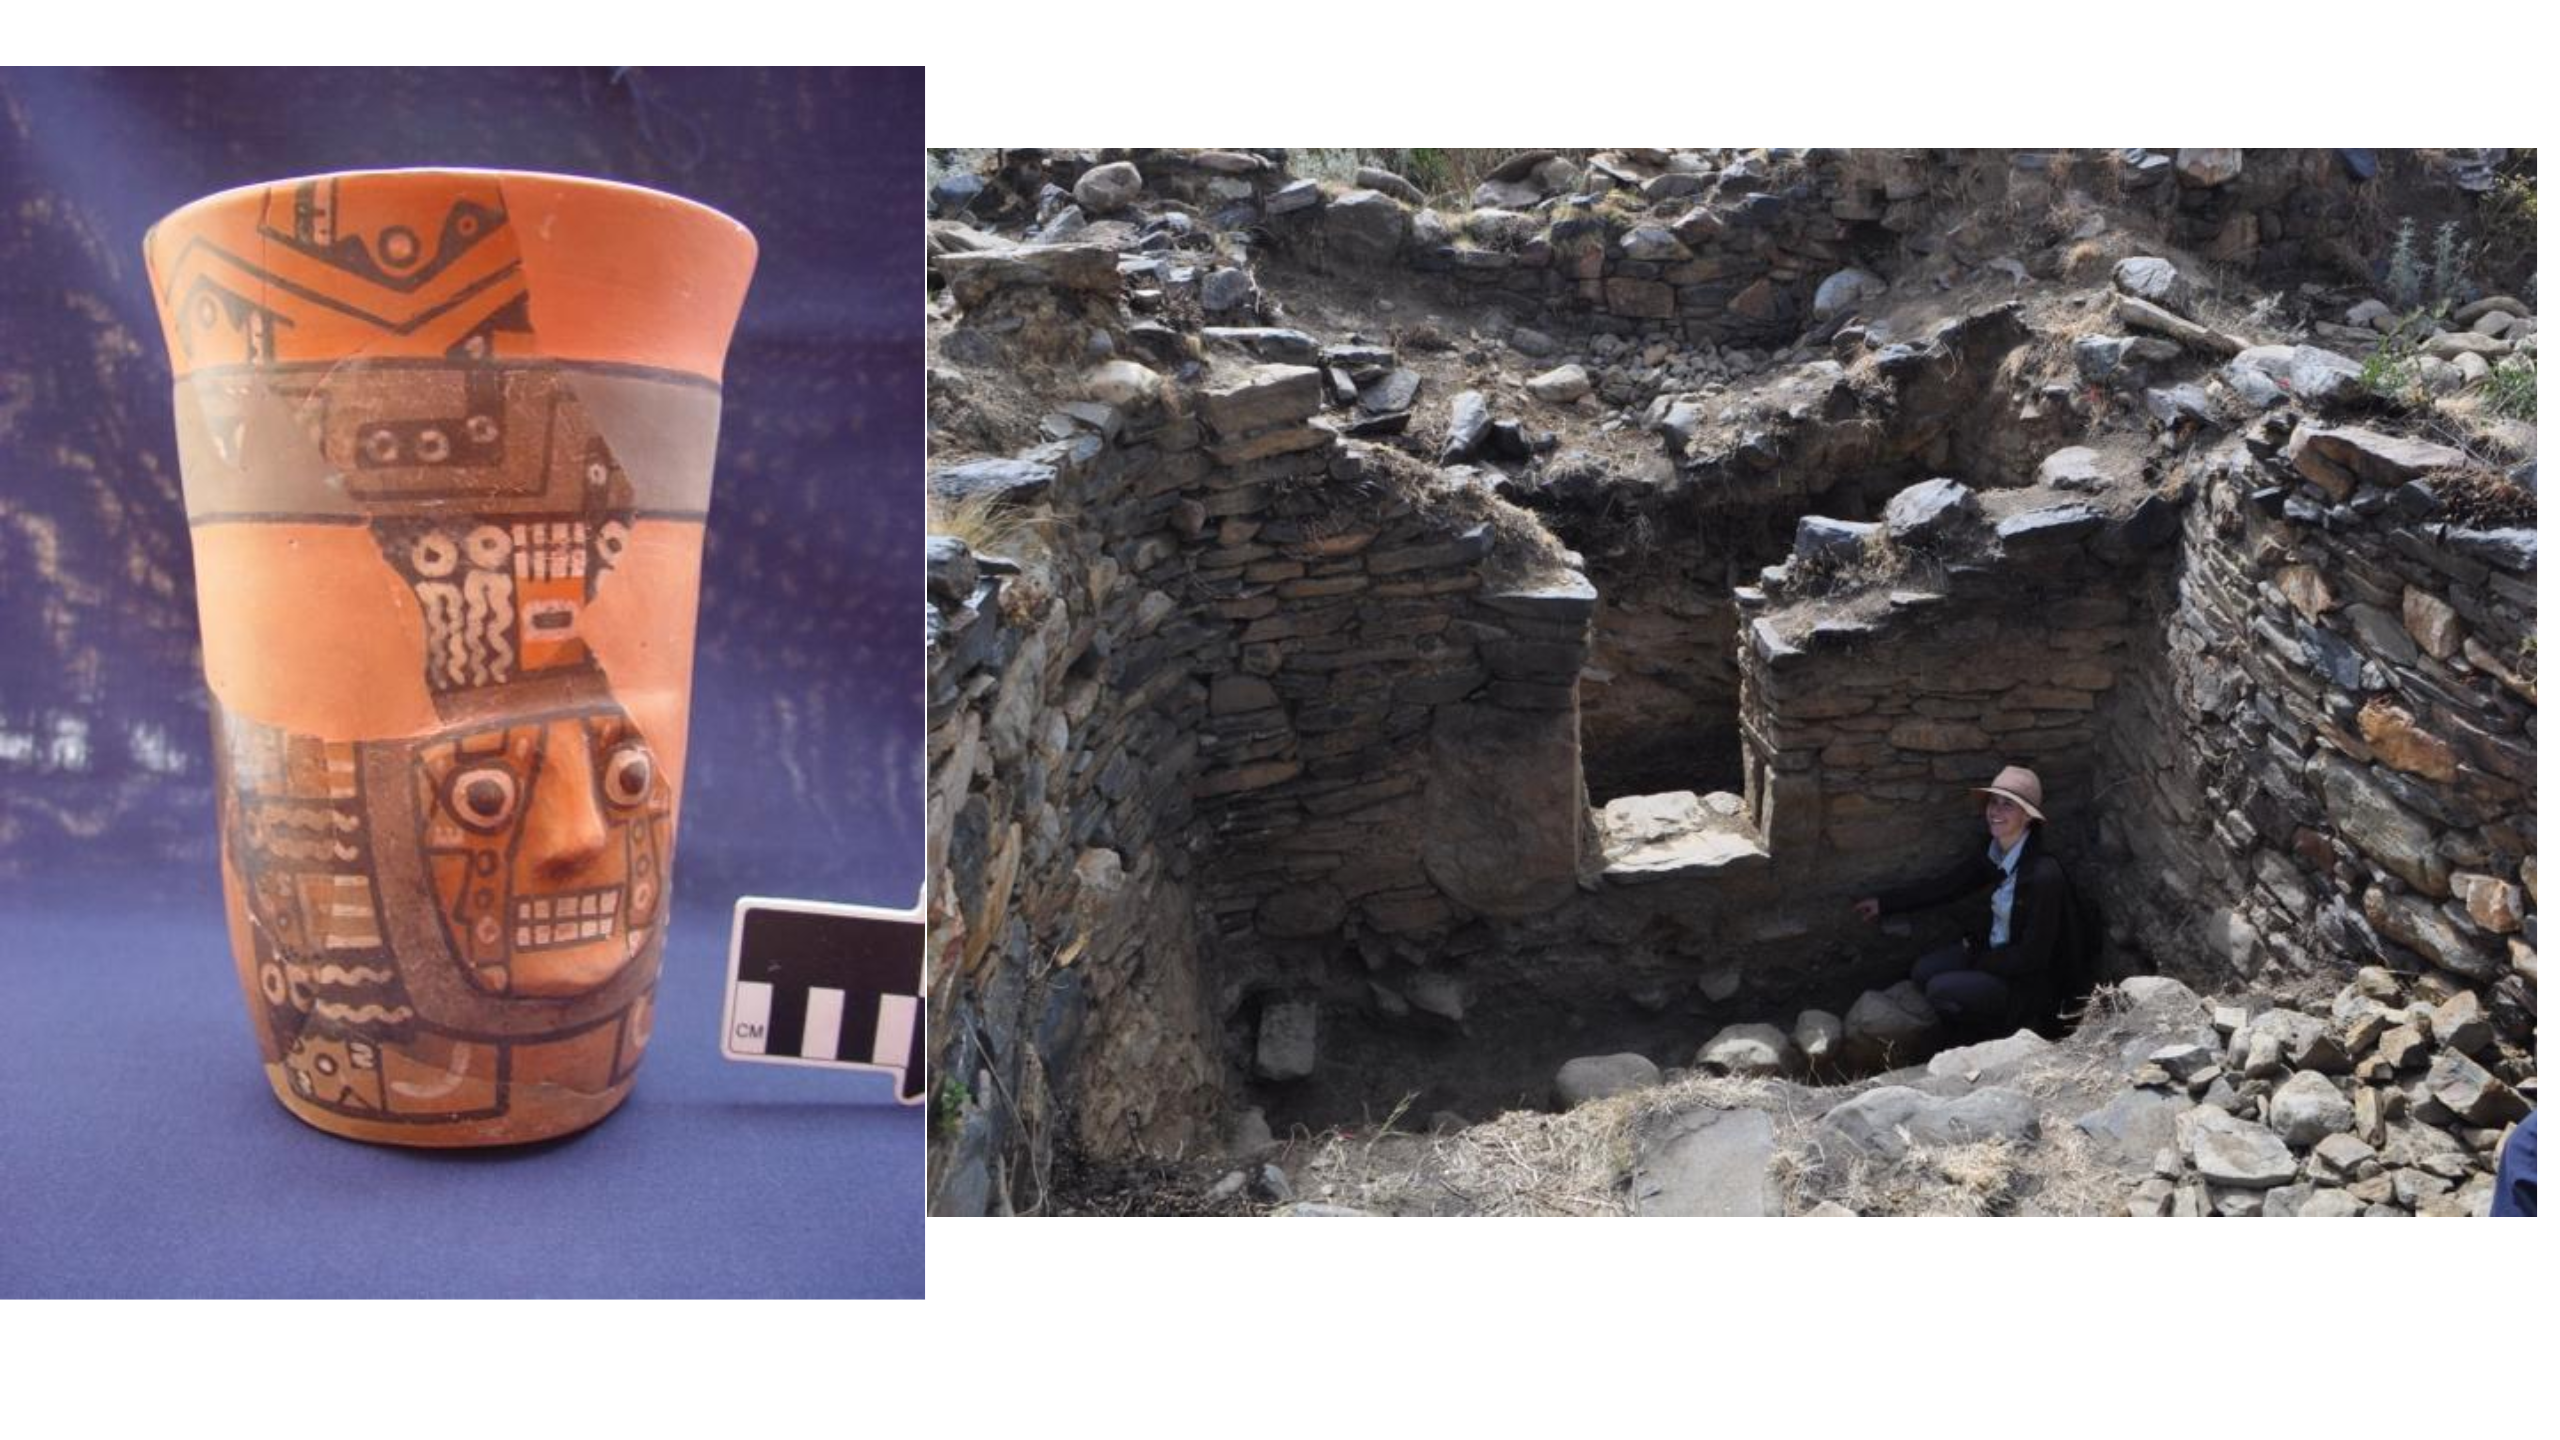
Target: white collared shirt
(2002,898)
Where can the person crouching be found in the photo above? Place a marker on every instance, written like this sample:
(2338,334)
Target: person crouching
(2003,971)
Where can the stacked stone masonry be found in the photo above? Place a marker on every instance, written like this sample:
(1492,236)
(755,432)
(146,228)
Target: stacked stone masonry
(1273,731)
(1239,709)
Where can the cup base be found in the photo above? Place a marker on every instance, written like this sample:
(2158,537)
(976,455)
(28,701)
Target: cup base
(541,1115)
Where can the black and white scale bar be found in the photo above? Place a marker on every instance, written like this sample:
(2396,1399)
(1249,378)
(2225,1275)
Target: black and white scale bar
(835,985)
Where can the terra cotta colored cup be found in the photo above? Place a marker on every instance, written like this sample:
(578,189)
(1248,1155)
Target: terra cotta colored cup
(447,440)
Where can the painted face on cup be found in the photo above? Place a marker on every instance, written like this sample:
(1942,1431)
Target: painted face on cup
(546,840)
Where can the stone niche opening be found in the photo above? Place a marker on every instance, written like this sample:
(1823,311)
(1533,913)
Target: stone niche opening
(1672,538)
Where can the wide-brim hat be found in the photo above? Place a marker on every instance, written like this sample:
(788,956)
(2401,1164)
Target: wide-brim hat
(2020,784)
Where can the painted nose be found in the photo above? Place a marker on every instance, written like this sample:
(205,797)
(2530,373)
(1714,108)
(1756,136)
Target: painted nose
(565,829)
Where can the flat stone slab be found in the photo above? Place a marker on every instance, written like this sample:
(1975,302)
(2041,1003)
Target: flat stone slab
(1279,346)
(1991,1061)
(2234,1152)
(2052,525)
(1888,1120)
(1676,835)
(2133,1126)
(1005,481)
(1707,1162)
(1568,597)
(1261,397)
(973,276)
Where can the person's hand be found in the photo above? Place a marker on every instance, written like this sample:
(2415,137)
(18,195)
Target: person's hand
(1869,909)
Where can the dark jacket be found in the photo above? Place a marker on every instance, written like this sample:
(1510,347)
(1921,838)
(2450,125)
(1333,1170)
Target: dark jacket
(2041,921)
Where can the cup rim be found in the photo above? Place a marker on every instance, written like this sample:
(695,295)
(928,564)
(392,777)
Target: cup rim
(236,193)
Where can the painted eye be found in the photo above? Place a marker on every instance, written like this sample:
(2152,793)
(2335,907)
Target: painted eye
(482,797)
(628,773)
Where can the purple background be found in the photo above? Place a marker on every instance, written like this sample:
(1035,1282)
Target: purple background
(140,1152)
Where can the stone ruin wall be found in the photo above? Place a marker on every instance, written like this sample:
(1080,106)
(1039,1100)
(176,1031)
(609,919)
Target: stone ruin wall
(2326,758)
(1236,712)
(1058,815)
(1740,267)
(1214,769)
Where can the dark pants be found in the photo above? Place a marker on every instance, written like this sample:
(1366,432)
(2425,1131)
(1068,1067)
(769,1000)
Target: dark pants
(2516,1170)
(1970,998)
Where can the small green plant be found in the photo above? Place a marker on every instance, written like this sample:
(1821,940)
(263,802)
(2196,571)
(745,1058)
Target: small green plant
(2402,280)
(2451,274)
(950,1101)
(2509,388)
(2391,372)
(1339,166)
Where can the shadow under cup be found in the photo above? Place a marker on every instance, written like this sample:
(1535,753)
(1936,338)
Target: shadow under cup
(447,439)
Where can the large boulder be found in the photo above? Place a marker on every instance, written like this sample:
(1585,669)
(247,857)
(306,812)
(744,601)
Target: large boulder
(2308,1109)
(1364,228)
(1833,542)
(1123,383)
(1820,1039)
(1108,189)
(2339,458)
(1843,291)
(2479,1097)
(2148,277)
(1932,513)
(1470,421)
(1892,1027)
(1562,385)
(1597,1077)
(1749,1050)
(2324,377)
(1388,182)
(2078,467)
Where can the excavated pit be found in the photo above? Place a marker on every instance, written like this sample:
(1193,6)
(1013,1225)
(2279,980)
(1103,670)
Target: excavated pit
(1365,725)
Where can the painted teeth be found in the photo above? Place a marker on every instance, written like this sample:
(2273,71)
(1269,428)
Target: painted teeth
(566,919)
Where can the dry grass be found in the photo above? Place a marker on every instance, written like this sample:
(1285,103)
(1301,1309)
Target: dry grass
(1582,1162)
(2057,1174)
(1522,546)
(2468,422)
(1522,1163)
(2227,300)
(989,526)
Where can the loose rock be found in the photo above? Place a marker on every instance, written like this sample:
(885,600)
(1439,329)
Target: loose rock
(1596,1077)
